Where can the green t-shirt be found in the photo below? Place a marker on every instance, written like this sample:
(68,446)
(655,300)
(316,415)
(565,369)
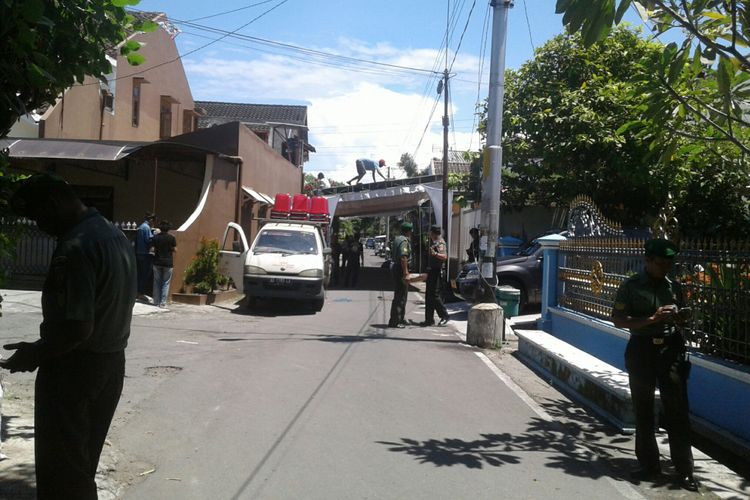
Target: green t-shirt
(92,278)
(639,297)
(401,247)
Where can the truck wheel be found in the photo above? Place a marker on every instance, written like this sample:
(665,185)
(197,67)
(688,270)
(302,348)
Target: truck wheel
(250,302)
(317,305)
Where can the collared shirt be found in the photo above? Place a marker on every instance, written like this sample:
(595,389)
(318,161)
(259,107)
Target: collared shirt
(438,246)
(92,278)
(640,296)
(143,239)
(401,247)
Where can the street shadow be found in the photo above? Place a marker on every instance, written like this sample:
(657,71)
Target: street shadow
(15,431)
(496,450)
(18,482)
(271,308)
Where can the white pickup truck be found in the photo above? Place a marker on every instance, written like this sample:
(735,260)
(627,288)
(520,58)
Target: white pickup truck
(287,260)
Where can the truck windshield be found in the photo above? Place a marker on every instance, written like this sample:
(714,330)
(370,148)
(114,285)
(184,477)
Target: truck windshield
(289,242)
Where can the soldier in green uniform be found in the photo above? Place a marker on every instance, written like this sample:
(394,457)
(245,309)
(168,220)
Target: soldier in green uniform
(437,255)
(400,274)
(87,305)
(648,305)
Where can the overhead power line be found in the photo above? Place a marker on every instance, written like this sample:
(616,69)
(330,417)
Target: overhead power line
(228,33)
(232,11)
(300,49)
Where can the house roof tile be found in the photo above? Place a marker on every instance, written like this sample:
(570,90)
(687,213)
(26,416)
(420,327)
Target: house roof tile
(253,114)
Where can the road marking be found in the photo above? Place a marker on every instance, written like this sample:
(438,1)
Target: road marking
(625,489)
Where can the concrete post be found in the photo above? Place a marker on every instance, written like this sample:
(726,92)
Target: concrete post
(550,250)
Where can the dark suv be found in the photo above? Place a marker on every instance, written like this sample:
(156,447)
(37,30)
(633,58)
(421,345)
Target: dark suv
(521,270)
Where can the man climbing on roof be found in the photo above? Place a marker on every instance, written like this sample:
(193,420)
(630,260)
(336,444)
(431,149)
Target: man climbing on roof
(363,166)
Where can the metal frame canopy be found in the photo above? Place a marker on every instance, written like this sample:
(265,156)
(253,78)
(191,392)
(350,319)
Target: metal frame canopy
(387,200)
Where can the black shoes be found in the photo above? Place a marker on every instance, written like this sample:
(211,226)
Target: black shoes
(443,321)
(424,323)
(688,482)
(645,474)
(397,325)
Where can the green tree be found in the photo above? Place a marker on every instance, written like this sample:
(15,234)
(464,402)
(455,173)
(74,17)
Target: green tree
(703,79)
(409,165)
(562,113)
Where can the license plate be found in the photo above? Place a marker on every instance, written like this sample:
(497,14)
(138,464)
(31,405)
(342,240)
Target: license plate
(280,281)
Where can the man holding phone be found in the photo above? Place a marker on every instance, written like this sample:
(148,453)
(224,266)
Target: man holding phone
(648,305)
(87,304)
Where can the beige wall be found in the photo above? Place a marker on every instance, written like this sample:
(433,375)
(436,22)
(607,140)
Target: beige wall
(264,170)
(78,115)
(211,222)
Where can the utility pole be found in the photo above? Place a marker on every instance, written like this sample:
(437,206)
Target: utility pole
(446,124)
(491,178)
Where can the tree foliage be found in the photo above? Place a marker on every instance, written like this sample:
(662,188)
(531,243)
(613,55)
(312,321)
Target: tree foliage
(48,46)
(704,79)
(694,101)
(562,113)
(409,165)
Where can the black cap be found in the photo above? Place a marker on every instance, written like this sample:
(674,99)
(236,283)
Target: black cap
(659,247)
(436,229)
(36,190)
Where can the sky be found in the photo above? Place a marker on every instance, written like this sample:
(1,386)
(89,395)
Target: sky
(355,109)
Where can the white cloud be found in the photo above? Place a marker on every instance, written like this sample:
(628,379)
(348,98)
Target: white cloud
(370,112)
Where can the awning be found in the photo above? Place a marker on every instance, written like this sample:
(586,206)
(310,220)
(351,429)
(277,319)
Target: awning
(259,197)
(69,149)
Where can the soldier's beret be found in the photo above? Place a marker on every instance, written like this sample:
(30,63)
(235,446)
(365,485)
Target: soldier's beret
(436,229)
(659,247)
(406,226)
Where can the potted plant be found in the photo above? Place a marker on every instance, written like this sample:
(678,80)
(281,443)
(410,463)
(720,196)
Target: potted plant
(202,274)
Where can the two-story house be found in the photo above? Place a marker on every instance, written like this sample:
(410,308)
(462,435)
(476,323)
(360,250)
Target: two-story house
(281,126)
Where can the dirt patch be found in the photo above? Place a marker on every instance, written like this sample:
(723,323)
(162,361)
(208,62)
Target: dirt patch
(158,371)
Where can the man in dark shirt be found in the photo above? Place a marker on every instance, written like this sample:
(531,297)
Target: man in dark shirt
(87,304)
(164,245)
(647,304)
(144,259)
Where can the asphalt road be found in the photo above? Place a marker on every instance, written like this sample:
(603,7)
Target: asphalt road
(274,403)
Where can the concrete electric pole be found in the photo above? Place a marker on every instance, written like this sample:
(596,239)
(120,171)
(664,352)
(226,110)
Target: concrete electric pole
(491,177)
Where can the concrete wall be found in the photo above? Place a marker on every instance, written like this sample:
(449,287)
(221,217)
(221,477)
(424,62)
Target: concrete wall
(78,114)
(719,392)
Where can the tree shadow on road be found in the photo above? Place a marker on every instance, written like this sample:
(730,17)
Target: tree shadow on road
(18,481)
(496,450)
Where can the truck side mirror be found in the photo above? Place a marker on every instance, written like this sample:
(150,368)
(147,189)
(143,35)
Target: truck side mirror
(327,251)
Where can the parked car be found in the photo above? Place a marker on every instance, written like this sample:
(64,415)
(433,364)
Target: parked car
(287,260)
(521,270)
(370,243)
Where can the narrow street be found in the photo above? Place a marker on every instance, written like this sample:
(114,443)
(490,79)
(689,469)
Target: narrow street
(275,402)
(332,405)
